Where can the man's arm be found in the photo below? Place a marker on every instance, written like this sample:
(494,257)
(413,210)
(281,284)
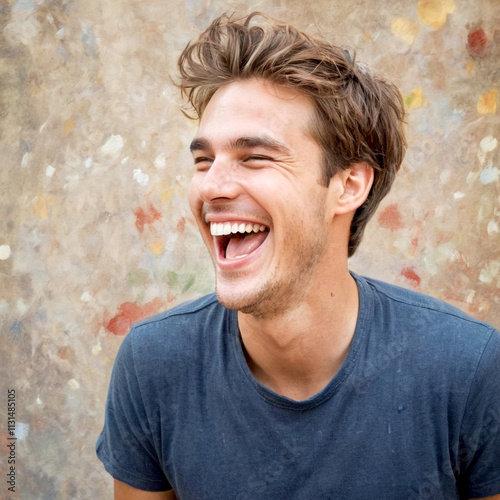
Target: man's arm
(124,491)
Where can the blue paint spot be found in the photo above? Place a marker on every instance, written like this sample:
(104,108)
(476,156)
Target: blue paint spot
(16,329)
(89,41)
(28,5)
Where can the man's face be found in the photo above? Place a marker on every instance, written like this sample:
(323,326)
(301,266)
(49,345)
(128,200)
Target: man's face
(257,198)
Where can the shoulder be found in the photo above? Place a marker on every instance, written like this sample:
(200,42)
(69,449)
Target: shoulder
(412,303)
(178,331)
(432,327)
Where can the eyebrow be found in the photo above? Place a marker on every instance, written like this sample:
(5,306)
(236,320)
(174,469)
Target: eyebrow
(266,142)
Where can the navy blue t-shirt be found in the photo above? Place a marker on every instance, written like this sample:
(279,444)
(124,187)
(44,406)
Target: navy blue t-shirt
(413,413)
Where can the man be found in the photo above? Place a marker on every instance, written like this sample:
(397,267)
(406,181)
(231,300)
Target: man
(298,379)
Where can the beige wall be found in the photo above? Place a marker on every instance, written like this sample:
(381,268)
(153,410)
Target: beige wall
(95,228)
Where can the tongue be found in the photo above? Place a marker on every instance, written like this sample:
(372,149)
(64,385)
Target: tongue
(239,246)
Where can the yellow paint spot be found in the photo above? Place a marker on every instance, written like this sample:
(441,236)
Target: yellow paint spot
(407,29)
(434,12)
(69,125)
(415,99)
(488,102)
(470,66)
(158,247)
(96,349)
(42,204)
(74,384)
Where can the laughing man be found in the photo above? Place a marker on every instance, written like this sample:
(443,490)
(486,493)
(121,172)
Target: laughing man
(298,379)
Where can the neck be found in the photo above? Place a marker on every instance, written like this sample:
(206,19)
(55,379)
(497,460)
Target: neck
(297,352)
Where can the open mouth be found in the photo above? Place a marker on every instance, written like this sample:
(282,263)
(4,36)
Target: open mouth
(236,240)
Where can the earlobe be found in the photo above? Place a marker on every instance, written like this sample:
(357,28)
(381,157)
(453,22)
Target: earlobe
(356,183)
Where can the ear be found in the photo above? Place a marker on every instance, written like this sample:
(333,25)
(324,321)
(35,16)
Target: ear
(353,187)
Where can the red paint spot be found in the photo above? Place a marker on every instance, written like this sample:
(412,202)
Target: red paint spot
(477,43)
(129,312)
(181,225)
(410,274)
(391,218)
(144,217)
(65,352)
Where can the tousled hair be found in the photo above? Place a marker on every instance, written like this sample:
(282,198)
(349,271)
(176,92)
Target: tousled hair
(359,115)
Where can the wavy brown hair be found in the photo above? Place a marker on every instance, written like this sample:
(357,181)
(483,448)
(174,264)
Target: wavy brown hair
(359,115)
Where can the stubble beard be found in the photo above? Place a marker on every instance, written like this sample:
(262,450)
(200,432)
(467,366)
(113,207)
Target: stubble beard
(279,294)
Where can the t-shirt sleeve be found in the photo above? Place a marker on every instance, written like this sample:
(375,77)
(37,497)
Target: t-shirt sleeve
(480,434)
(126,445)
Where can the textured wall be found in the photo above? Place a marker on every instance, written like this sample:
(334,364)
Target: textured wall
(95,228)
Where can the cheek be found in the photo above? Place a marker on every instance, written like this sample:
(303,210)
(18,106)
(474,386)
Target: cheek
(194,200)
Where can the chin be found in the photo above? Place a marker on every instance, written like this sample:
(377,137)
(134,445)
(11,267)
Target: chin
(261,303)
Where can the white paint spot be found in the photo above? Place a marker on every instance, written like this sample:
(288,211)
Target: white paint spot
(125,160)
(488,144)
(458,195)
(160,162)
(178,178)
(470,296)
(21,307)
(5,252)
(492,227)
(141,178)
(60,33)
(39,401)
(22,431)
(73,384)
(471,177)
(49,171)
(24,161)
(113,145)
(86,297)
(489,174)
(445,176)
(88,162)
(96,349)
(489,271)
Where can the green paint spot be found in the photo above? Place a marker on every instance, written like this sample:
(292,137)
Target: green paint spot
(189,283)
(138,277)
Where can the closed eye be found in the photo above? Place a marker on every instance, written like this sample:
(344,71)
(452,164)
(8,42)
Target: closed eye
(257,158)
(202,162)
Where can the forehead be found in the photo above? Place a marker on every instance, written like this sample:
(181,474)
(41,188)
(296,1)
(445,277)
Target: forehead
(253,106)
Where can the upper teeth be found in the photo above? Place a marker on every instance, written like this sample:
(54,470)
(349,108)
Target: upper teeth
(224,228)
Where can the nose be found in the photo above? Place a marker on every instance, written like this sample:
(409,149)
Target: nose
(219,182)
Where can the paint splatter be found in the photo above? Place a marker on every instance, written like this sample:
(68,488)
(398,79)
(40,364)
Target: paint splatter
(158,247)
(42,204)
(407,29)
(391,218)
(16,329)
(435,12)
(5,252)
(488,144)
(129,313)
(74,384)
(489,272)
(410,274)
(140,177)
(22,431)
(65,352)
(113,145)
(477,43)
(69,125)
(488,102)
(160,161)
(144,217)
(415,99)
(49,171)
(489,174)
